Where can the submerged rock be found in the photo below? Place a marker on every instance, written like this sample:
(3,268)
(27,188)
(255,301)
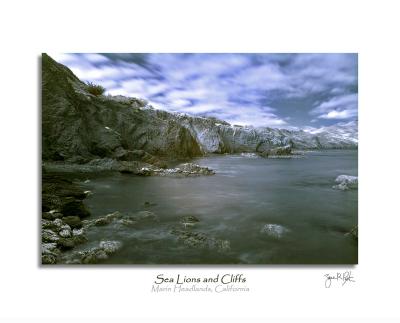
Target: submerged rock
(94,255)
(201,240)
(145,215)
(274,230)
(110,246)
(346,182)
(189,220)
(123,219)
(107,219)
(148,204)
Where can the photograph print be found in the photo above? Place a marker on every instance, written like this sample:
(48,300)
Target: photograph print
(204,159)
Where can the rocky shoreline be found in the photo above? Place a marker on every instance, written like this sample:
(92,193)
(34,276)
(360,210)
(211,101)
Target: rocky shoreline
(62,213)
(66,220)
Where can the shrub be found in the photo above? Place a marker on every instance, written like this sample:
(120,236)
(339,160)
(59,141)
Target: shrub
(95,89)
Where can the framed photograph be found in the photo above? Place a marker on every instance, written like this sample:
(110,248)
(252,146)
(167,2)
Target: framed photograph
(199,161)
(197,158)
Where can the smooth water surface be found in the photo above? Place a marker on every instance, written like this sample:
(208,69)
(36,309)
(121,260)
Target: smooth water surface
(234,205)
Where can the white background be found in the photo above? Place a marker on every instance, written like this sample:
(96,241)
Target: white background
(370,28)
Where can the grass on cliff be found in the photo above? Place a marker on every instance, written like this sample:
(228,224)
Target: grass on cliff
(95,89)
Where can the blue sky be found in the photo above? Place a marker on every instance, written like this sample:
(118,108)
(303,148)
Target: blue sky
(276,90)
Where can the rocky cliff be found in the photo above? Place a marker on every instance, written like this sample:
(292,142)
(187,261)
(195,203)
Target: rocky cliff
(78,127)
(216,136)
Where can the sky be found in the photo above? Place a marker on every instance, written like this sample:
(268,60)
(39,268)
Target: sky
(274,90)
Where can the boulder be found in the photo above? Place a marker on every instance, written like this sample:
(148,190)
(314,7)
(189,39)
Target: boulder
(65,233)
(49,236)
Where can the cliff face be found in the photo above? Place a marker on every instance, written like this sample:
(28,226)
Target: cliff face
(78,126)
(216,136)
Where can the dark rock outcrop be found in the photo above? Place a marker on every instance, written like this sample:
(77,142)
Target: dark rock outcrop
(78,126)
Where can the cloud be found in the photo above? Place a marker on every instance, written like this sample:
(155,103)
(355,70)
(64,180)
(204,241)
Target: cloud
(282,90)
(339,107)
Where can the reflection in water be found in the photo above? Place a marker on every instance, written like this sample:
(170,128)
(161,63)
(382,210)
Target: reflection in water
(295,196)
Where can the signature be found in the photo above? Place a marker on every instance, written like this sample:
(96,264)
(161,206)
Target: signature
(344,277)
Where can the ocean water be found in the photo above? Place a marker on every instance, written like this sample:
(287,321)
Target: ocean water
(272,211)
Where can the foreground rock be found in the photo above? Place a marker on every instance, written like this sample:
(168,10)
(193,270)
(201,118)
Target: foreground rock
(346,182)
(57,236)
(62,210)
(94,255)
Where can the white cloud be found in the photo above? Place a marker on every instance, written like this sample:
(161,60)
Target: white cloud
(344,114)
(234,87)
(339,107)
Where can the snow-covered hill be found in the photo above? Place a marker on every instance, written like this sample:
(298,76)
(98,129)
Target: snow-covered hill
(216,136)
